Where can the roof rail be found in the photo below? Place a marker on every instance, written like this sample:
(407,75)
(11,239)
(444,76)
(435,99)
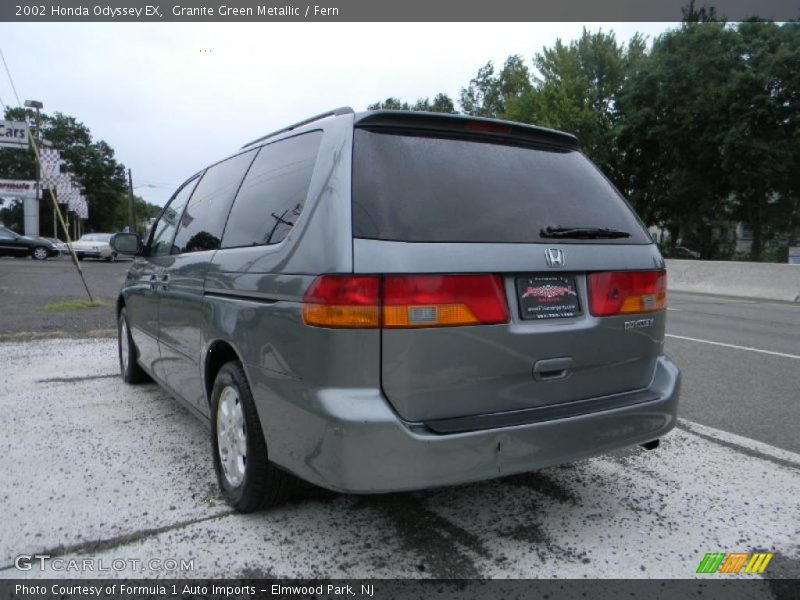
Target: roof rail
(342,110)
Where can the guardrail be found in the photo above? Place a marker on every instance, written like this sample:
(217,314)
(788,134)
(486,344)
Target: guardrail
(770,281)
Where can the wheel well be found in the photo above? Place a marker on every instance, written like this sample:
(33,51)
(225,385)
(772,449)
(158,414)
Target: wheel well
(218,354)
(120,305)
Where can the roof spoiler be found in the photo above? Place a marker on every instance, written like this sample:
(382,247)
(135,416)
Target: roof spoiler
(463,125)
(343,110)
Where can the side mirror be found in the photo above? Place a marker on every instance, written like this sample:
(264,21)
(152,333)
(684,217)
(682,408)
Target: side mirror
(127,243)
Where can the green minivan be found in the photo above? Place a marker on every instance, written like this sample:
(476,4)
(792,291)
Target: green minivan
(388,300)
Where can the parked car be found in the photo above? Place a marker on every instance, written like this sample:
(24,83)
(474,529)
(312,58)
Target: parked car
(95,245)
(60,246)
(14,244)
(683,252)
(390,301)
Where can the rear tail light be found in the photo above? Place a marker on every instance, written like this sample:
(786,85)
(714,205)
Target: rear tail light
(335,301)
(625,292)
(405,301)
(444,300)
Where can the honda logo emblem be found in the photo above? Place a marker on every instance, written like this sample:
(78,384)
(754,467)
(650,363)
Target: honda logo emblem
(554,257)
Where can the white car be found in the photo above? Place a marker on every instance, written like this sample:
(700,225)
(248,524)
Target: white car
(95,245)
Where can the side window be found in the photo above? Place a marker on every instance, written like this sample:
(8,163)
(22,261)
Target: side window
(5,234)
(161,242)
(204,217)
(273,193)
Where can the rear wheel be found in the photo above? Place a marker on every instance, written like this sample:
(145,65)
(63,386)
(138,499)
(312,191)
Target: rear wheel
(246,477)
(128,366)
(40,253)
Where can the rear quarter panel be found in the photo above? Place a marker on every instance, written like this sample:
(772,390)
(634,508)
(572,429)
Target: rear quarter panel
(254,298)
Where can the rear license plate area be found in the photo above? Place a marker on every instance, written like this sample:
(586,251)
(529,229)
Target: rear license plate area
(547,297)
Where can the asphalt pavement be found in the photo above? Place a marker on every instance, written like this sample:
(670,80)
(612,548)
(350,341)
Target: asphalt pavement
(741,365)
(91,468)
(28,286)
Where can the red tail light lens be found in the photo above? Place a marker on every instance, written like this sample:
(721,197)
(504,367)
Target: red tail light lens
(343,301)
(444,300)
(406,301)
(625,292)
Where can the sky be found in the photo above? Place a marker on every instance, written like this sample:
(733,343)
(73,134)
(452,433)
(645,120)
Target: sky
(171,98)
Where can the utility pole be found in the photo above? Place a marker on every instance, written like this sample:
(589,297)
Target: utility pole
(131,224)
(37,105)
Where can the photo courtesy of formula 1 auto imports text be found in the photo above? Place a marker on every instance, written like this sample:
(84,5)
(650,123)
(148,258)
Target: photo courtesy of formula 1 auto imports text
(456,300)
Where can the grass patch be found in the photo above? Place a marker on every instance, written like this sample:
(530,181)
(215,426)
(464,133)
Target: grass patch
(73,305)
(102,333)
(30,336)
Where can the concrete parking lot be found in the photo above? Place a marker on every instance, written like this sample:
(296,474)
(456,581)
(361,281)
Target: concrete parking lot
(94,469)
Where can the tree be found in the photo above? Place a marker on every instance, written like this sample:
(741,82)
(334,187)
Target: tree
(578,85)
(142,211)
(440,103)
(390,103)
(507,95)
(700,131)
(672,123)
(92,164)
(574,89)
(760,147)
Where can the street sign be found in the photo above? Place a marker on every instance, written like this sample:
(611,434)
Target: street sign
(17,188)
(14,134)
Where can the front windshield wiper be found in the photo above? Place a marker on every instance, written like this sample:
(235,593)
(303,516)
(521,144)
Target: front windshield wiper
(583,233)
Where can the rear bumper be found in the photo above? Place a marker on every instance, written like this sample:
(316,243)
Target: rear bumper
(352,441)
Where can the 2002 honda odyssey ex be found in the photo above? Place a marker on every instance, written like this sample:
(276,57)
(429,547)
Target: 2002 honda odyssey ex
(386,301)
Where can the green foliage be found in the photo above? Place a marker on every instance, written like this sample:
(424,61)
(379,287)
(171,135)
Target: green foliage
(760,148)
(440,103)
(698,131)
(672,123)
(507,95)
(91,163)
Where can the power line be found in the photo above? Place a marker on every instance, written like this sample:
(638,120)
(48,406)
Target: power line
(40,164)
(3,56)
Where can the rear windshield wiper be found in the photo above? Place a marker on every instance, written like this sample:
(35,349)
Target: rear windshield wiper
(585,233)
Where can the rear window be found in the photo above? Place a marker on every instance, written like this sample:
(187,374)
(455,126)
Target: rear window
(431,189)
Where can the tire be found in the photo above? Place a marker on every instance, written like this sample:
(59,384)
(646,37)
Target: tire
(246,477)
(131,371)
(40,253)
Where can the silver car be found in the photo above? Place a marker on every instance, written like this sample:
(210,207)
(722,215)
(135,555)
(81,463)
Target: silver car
(389,301)
(94,245)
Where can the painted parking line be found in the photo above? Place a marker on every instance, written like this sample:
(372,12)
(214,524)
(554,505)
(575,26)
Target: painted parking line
(95,469)
(734,346)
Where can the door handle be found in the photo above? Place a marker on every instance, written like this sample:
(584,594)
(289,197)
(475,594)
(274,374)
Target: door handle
(551,369)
